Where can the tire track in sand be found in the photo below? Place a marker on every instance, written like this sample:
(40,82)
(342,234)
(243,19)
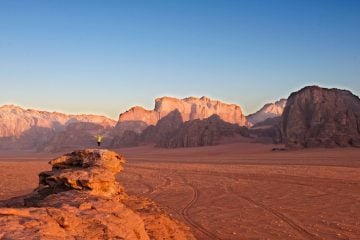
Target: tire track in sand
(185,211)
(301,230)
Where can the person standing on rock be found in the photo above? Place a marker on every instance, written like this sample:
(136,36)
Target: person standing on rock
(99,139)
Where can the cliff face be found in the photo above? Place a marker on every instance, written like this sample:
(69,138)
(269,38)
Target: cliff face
(321,117)
(197,133)
(171,132)
(81,199)
(137,119)
(200,108)
(270,110)
(46,131)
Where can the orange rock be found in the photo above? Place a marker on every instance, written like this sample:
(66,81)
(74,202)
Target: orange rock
(80,199)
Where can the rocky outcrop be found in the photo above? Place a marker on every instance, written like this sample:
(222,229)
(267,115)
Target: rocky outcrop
(204,132)
(270,110)
(321,117)
(200,108)
(80,199)
(172,132)
(137,119)
(90,170)
(268,130)
(164,130)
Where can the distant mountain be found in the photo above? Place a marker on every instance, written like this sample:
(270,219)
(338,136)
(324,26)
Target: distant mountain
(311,117)
(137,118)
(321,117)
(204,132)
(172,132)
(32,129)
(270,110)
(51,131)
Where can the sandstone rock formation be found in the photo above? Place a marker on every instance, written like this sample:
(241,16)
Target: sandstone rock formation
(270,110)
(204,132)
(321,117)
(268,130)
(45,131)
(172,132)
(137,119)
(33,129)
(164,130)
(80,199)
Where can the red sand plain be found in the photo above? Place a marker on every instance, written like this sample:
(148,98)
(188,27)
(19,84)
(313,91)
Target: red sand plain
(232,191)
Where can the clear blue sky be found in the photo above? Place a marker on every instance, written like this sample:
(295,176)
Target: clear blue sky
(106,56)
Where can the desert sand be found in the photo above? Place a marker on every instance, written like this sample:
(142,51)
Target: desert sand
(232,191)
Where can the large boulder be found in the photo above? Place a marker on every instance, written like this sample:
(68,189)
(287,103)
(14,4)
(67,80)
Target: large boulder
(81,199)
(321,117)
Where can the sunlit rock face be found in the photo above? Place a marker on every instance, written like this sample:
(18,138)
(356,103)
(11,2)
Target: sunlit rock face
(200,108)
(270,110)
(137,118)
(81,199)
(321,117)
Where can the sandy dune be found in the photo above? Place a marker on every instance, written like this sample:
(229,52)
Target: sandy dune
(234,191)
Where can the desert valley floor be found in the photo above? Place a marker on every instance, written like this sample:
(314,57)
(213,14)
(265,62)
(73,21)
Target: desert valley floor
(232,191)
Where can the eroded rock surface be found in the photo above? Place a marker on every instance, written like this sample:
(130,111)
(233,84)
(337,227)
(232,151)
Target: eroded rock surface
(80,199)
(321,117)
(204,132)
(137,118)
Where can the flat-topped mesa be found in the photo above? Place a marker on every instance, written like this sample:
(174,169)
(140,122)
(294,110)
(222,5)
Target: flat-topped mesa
(137,118)
(192,108)
(91,170)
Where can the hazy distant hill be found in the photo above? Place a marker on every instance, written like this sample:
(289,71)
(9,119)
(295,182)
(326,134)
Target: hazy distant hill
(270,110)
(32,129)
